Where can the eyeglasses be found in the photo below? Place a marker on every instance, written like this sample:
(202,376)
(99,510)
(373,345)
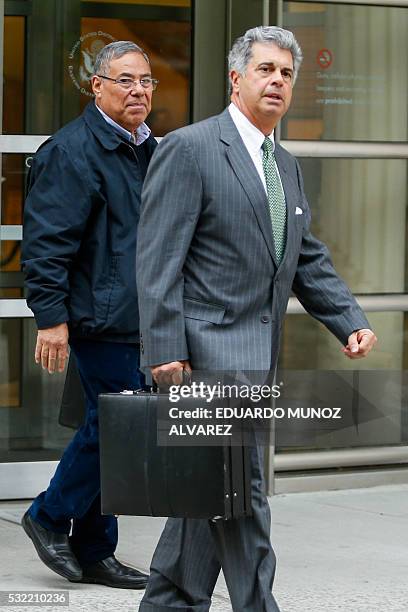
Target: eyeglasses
(124,83)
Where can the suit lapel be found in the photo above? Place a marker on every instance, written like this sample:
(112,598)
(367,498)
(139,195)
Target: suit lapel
(248,177)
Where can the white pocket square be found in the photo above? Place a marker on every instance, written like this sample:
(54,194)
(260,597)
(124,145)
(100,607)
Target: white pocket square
(298,211)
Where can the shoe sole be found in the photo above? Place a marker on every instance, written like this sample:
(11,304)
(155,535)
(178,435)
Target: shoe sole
(113,586)
(43,557)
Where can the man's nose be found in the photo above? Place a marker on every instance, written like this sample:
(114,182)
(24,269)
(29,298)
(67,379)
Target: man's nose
(276,77)
(137,89)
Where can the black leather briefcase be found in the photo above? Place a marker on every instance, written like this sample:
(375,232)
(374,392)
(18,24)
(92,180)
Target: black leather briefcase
(141,478)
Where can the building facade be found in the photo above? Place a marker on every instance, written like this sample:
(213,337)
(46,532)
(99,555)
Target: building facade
(348,126)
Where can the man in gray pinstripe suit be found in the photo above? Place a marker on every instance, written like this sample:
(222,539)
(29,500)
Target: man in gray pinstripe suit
(223,240)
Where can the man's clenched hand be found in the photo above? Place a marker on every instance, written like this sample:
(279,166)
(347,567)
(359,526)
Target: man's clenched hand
(360,344)
(52,348)
(170,373)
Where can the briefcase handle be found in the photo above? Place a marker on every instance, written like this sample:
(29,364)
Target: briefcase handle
(155,388)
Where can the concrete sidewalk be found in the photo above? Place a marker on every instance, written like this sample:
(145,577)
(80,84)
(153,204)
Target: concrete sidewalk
(344,551)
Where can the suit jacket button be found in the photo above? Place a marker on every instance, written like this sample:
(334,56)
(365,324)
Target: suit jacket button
(265,319)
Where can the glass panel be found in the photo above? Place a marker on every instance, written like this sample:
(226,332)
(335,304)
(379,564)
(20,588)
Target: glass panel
(49,55)
(308,345)
(338,409)
(182,3)
(11,279)
(14,77)
(359,210)
(14,173)
(372,392)
(351,85)
(29,399)
(168,47)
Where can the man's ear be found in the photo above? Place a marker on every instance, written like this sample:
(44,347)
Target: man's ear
(235,79)
(96,83)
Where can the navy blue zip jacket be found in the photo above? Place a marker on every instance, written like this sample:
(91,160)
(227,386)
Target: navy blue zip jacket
(80,224)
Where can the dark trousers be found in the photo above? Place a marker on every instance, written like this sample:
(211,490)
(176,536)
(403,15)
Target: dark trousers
(73,495)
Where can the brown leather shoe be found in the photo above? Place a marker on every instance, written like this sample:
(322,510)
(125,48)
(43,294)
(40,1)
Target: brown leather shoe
(114,574)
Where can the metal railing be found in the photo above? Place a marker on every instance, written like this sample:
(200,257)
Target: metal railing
(344,457)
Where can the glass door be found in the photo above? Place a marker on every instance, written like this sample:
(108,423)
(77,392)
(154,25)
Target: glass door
(46,83)
(348,127)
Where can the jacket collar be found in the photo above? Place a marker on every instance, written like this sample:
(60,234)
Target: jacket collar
(228,130)
(229,133)
(107,136)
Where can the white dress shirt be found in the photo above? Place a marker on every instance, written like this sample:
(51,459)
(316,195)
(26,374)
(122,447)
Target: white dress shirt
(253,140)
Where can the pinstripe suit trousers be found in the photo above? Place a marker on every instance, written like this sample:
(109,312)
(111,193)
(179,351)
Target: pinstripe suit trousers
(191,552)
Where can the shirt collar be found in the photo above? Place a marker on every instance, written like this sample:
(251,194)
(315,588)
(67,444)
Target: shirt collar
(249,133)
(142,132)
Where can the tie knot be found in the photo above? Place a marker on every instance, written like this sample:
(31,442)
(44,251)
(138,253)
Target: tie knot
(267,145)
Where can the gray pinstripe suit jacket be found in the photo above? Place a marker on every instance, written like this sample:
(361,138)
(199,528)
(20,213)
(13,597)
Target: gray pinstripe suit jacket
(209,286)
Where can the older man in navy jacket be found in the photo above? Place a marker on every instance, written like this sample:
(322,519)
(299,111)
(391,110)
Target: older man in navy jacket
(78,257)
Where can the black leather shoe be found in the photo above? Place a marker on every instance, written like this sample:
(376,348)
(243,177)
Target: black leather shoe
(53,549)
(114,574)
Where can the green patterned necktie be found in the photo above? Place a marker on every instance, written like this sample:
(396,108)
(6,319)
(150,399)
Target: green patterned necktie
(276,198)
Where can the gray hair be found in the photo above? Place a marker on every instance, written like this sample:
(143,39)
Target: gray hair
(241,52)
(113,51)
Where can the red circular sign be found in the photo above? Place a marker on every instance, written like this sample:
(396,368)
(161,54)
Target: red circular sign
(324,58)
